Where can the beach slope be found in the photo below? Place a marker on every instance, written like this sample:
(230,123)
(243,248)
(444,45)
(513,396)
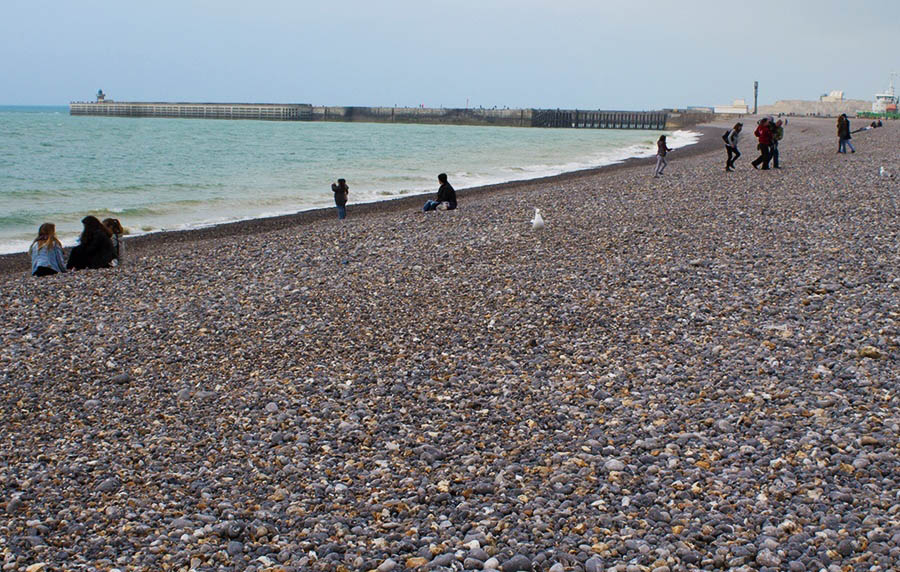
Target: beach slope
(696,371)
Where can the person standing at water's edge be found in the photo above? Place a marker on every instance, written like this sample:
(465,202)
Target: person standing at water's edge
(445,194)
(731,145)
(46,252)
(661,150)
(340,190)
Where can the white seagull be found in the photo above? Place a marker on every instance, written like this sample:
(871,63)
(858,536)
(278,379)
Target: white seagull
(537,223)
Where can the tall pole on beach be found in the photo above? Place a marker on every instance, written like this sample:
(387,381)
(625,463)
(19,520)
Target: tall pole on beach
(755,95)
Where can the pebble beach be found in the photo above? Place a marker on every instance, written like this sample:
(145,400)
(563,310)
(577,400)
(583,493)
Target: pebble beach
(694,372)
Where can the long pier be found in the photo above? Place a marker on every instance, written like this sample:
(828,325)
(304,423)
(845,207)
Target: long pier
(258,111)
(557,118)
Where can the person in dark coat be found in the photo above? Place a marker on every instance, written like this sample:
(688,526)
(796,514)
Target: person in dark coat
(843,132)
(340,190)
(445,194)
(94,249)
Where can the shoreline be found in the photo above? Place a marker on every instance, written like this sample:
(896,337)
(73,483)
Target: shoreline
(140,244)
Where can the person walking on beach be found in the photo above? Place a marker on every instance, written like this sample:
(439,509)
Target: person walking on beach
(94,249)
(46,252)
(340,190)
(764,136)
(445,194)
(777,135)
(731,145)
(843,133)
(661,150)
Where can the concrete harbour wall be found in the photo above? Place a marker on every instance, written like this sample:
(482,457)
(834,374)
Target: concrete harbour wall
(559,118)
(428,115)
(258,111)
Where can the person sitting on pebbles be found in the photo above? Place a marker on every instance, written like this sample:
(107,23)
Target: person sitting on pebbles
(115,227)
(94,249)
(445,195)
(46,252)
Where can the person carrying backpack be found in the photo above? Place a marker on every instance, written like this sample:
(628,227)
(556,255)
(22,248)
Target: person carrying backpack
(731,145)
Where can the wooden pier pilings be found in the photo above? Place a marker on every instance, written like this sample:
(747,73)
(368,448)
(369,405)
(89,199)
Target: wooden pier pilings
(574,118)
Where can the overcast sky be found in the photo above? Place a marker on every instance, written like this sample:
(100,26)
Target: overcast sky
(609,54)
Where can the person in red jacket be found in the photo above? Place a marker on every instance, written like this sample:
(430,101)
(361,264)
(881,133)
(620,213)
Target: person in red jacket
(764,136)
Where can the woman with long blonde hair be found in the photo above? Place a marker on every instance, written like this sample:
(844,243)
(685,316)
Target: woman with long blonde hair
(46,252)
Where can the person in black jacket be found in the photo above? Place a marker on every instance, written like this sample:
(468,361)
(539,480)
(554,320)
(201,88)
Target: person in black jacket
(94,249)
(445,194)
(340,190)
(843,132)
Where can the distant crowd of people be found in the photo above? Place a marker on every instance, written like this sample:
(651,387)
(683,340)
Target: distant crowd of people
(99,246)
(769,133)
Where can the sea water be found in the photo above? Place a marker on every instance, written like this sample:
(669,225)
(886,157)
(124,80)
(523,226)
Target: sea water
(167,174)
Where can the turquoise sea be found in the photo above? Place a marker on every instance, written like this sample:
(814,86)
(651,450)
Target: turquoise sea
(165,174)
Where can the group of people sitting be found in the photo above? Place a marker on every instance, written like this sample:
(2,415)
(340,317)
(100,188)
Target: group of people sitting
(100,246)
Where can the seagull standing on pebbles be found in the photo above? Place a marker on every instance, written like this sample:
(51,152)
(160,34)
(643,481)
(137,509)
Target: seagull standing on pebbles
(537,223)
